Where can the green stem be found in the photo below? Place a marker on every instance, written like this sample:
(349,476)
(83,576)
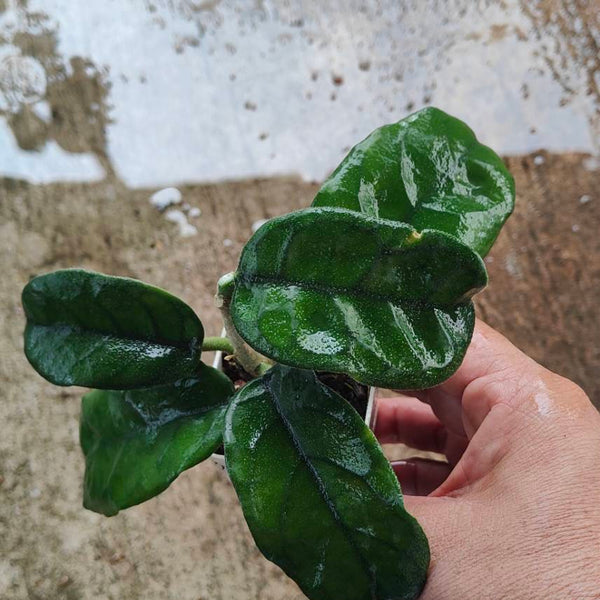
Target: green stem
(214,344)
(263,368)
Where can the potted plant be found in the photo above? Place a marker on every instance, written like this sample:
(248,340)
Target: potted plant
(361,397)
(371,286)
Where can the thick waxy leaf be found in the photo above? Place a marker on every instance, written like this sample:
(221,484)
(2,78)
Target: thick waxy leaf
(428,170)
(317,492)
(136,442)
(89,329)
(330,289)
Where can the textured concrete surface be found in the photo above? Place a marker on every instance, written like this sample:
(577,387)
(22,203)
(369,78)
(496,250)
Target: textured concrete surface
(191,542)
(112,118)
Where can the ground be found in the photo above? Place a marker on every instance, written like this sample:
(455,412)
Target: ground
(191,542)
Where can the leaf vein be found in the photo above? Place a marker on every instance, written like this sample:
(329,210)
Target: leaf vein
(322,489)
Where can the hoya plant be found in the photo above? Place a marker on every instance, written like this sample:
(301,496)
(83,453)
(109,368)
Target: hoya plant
(370,286)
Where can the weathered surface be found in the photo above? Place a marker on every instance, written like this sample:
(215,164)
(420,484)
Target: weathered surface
(191,542)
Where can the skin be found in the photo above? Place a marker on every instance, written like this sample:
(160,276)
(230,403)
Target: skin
(515,513)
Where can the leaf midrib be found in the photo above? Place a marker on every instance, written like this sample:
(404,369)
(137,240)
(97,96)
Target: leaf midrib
(189,345)
(101,438)
(320,486)
(356,293)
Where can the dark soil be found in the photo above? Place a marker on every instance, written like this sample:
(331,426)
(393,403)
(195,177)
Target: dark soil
(352,391)
(355,393)
(235,372)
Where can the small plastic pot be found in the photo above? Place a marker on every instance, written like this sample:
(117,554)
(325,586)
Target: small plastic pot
(219,459)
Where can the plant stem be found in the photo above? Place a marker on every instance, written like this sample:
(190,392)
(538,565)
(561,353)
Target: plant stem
(214,344)
(253,362)
(263,368)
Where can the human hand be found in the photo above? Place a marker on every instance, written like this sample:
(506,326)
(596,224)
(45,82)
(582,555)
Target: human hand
(515,513)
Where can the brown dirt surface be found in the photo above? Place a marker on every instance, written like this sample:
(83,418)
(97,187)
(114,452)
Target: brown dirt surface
(191,542)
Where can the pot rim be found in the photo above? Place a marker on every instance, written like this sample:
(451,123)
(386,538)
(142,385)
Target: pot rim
(369,414)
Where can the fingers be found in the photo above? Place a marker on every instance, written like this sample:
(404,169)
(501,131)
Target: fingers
(446,407)
(501,397)
(420,477)
(492,372)
(408,421)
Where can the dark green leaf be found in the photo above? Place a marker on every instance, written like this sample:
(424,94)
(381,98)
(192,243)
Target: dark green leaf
(428,170)
(318,494)
(89,329)
(136,442)
(332,290)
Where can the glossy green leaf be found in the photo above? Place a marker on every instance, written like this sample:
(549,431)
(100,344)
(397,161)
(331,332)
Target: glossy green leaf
(94,330)
(136,442)
(318,494)
(333,290)
(428,170)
